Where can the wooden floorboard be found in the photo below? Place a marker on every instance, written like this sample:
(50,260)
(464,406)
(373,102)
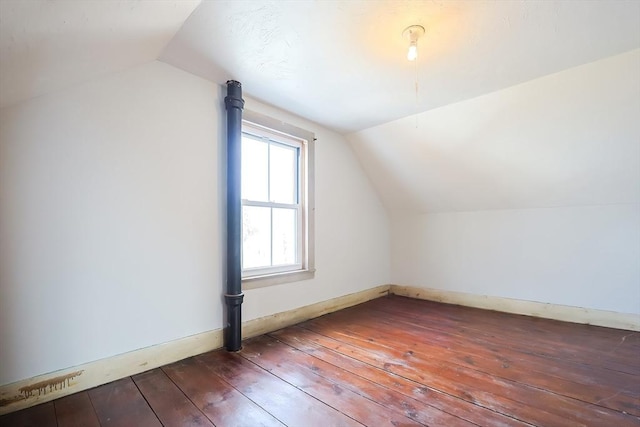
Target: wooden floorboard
(289,404)
(393,361)
(76,411)
(169,403)
(363,400)
(120,404)
(217,399)
(38,416)
(553,339)
(523,401)
(499,349)
(446,403)
(507,365)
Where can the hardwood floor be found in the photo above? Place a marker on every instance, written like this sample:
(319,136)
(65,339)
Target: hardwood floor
(390,362)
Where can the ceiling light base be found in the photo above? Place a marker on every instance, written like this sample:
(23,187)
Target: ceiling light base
(413,32)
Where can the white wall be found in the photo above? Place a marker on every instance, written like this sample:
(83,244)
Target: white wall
(532,192)
(352,228)
(110,221)
(577,256)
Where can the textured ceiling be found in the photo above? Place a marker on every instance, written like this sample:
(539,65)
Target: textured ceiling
(567,139)
(340,63)
(343,64)
(46,45)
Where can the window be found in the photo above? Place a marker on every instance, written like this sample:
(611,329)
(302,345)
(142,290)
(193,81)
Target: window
(277,196)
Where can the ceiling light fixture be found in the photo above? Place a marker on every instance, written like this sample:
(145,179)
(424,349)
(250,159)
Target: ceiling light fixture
(413,33)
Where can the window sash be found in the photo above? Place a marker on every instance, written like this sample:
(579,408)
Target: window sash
(274,138)
(278,268)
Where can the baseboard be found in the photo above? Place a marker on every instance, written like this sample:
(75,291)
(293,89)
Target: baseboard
(277,321)
(43,388)
(47,387)
(589,316)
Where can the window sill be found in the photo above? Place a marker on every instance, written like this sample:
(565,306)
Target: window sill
(276,279)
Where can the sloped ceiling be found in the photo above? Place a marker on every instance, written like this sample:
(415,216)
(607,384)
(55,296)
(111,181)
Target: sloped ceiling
(340,63)
(567,139)
(453,145)
(46,45)
(343,63)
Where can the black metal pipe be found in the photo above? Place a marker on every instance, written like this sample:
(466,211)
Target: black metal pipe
(234,296)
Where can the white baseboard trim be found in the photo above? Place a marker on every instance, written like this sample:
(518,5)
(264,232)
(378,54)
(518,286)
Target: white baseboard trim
(589,316)
(43,388)
(47,387)
(277,321)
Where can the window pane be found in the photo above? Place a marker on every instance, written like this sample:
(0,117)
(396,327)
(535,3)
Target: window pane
(256,237)
(284,236)
(283,173)
(255,161)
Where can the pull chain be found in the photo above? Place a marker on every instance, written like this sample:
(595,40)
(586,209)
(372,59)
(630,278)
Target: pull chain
(415,66)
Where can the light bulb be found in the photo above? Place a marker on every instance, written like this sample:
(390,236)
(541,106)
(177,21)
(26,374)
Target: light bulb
(412,34)
(413,51)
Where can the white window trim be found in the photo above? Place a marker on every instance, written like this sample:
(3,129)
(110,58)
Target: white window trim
(307,202)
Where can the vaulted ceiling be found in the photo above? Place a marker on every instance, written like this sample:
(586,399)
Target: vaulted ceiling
(47,45)
(568,139)
(343,64)
(339,63)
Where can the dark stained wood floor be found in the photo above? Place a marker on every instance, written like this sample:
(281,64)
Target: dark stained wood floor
(389,362)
